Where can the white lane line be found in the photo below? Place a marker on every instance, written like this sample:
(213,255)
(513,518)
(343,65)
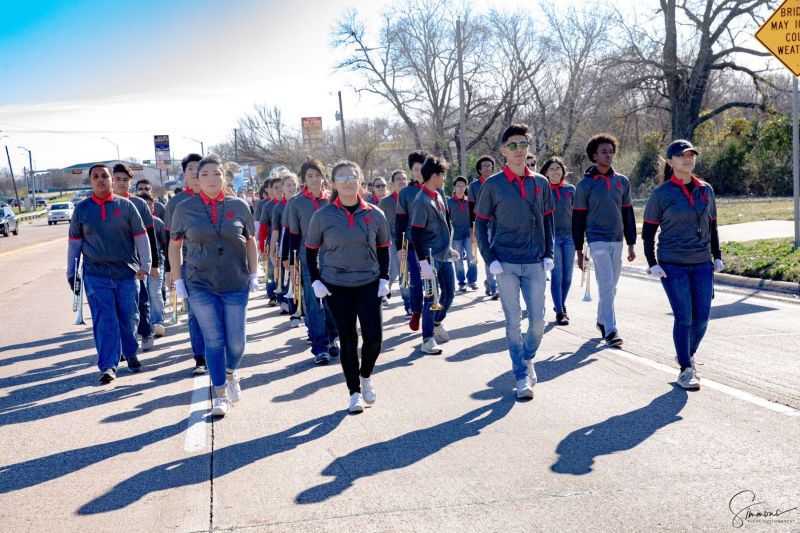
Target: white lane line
(196,424)
(711,384)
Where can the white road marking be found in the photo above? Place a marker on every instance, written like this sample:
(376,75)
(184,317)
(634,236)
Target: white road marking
(711,384)
(196,424)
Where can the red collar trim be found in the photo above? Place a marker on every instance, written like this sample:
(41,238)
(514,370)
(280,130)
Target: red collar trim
(482,180)
(351,219)
(213,201)
(674,179)
(276,201)
(307,194)
(102,203)
(512,177)
(283,201)
(189,191)
(429,192)
(460,201)
(395,196)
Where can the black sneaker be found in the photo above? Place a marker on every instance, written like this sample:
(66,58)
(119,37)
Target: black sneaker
(495,295)
(108,376)
(602,329)
(322,359)
(561,319)
(333,351)
(612,339)
(462,288)
(564,311)
(273,302)
(134,365)
(199,366)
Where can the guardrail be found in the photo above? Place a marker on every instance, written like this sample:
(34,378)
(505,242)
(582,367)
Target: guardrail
(30,216)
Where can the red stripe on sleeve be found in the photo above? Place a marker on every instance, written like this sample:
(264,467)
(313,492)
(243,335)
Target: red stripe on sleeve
(313,247)
(548,212)
(75,238)
(580,208)
(654,222)
(384,245)
(417,226)
(484,217)
(627,205)
(140,234)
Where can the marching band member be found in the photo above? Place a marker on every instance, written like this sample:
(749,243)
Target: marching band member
(108,232)
(221,266)
(564,248)
(189,165)
(603,211)
(460,212)
(159,210)
(485,168)
(520,250)
(388,205)
(403,234)
(685,209)
(264,197)
(353,276)
(154,284)
(121,177)
(431,236)
(280,229)
(378,191)
(320,323)
(265,234)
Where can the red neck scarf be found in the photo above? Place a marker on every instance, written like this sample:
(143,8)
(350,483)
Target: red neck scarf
(351,219)
(513,177)
(213,201)
(677,181)
(102,203)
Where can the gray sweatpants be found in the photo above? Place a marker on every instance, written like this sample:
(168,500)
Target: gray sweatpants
(607,264)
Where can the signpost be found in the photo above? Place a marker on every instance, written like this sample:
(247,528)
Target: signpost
(780,34)
(161,143)
(312,131)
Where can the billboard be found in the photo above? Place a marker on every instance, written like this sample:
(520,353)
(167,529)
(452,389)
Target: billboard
(312,131)
(161,143)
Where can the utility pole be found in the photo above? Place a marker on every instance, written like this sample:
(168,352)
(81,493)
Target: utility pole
(462,144)
(33,183)
(341,119)
(236,144)
(13,181)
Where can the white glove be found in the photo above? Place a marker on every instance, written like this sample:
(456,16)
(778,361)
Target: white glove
(383,288)
(496,268)
(320,290)
(548,264)
(657,272)
(426,270)
(252,282)
(180,289)
(719,266)
(454,254)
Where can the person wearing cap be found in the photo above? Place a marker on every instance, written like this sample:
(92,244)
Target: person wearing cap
(388,205)
(685,209)
(402,234)
(378,191)
(189,165)
(321,326)
(221,268)
(265,234)
(431,235)
(564,248)
(520,251)
(603,213)
(352,276)
(458,207)
(485,168)
(279,225)
(108,232)
(121,177)
(154,286)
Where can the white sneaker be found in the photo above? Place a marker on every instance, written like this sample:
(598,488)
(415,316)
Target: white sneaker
(368,390)
(219,406)
(430,347)
(233,388)
(525,389)
(356,403)
(440,334)
(294,323)
(531,372)
(688,380)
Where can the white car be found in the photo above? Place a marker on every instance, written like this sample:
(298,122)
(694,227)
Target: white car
(59,212)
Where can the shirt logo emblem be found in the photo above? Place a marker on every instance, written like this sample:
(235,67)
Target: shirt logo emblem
(537,190)
(368,219)
(569,195)
(619,185)
(229,215)
(117,212)
(704,197)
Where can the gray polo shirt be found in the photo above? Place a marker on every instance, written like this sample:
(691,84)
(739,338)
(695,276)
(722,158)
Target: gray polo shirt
(162,239)
(603,197)
(388,205)
(563,196)
(350,242)
(159,210)
(107,230)
(519,235)
(259,206)
(474,190)
(143,209)
(266,213)
(429,214)
(172,204)
(685,219)
(215,251)
(459,217)
(405,199)
(299,212)
(373,200)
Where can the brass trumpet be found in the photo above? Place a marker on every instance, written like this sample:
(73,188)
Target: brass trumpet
(278,277)
(432,287)
(404,277)
(298,284)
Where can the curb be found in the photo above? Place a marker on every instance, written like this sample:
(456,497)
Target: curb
(783,287)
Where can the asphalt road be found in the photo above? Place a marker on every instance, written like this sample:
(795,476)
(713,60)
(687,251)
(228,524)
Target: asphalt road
(608,444)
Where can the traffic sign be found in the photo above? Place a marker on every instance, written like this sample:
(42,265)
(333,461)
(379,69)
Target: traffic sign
(780,34)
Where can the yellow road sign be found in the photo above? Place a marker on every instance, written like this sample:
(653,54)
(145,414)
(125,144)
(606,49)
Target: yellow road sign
(780,34)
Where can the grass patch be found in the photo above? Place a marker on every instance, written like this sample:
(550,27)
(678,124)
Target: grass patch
(769,259)
(741,210)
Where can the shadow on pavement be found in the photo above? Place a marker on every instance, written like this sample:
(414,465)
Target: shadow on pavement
(195,469)
(579,449)
(405,450)
(74,342)
(738,308)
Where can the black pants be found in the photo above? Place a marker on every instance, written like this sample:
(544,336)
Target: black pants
(348,304)
(144,328)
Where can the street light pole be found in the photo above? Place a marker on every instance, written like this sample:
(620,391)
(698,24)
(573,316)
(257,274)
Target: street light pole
(202,148)
(115,146)
(13,181)
(341,119)
(461,119)
(33,183)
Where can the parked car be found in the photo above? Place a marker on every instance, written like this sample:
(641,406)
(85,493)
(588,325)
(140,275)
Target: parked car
(41,202)
(60,212)
(8,222)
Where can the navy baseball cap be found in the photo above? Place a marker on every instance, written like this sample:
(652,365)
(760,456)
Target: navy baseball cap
(680,147)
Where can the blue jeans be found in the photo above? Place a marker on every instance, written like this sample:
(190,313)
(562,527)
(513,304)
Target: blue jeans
(269,276)
(144,329)
(530,280)
(394,274)
(447,288)
(114,305)
(222,317)
(561,276)
(414,282)
(319,321)
(156,300)
(689,289)
(464,249)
